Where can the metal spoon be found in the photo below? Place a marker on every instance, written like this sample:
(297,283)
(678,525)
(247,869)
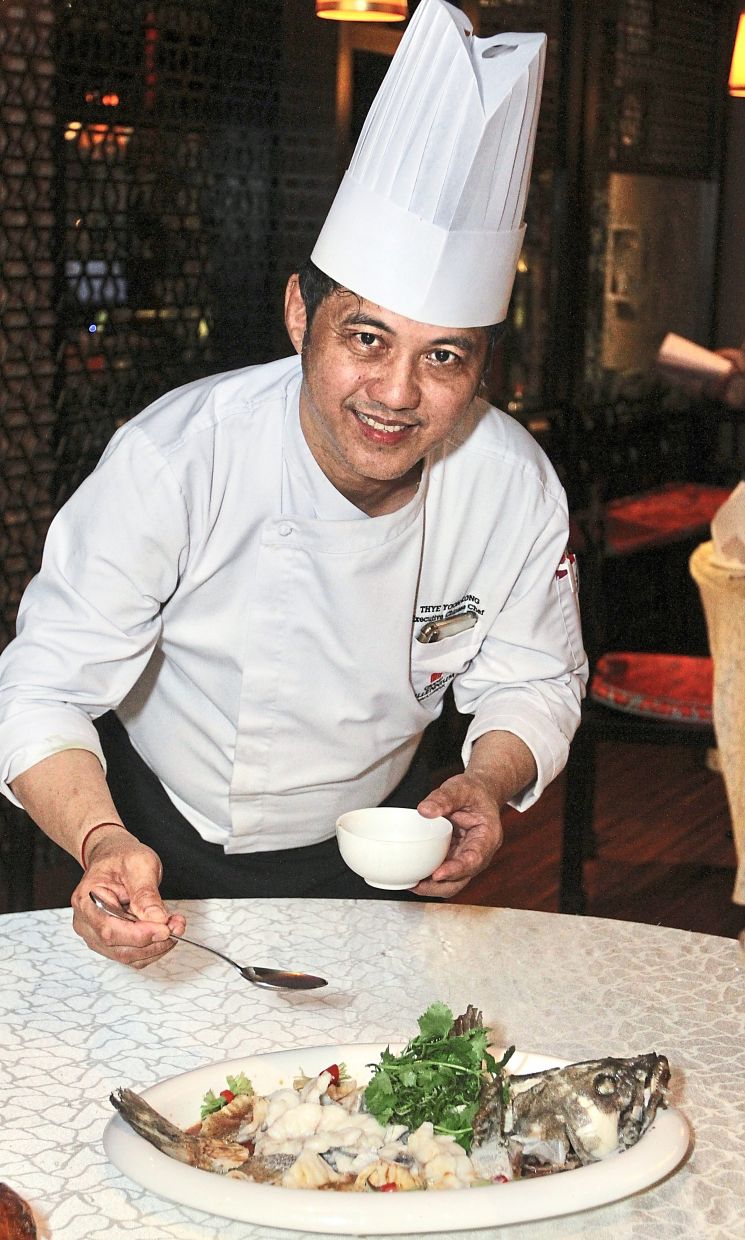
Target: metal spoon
(272,979)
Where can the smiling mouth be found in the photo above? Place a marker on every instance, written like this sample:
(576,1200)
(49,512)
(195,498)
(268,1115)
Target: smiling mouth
(387,428)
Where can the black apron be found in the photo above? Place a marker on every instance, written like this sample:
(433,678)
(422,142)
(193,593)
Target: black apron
(194,869)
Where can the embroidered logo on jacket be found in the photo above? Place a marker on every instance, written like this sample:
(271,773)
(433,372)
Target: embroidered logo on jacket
(568,569)
(437,683)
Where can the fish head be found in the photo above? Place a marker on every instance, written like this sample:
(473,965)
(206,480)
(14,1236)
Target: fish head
(599,1106)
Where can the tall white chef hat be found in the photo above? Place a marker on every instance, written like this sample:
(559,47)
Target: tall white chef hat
(428,220)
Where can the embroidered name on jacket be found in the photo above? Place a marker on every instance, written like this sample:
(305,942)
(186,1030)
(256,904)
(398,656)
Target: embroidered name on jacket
(441,611)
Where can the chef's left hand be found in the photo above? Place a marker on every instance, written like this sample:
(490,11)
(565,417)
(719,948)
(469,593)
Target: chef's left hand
(469,803)
(500,766)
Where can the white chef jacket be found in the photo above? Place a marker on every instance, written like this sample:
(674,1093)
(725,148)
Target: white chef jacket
(257,634)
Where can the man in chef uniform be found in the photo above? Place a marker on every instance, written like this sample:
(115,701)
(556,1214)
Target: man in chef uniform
(245,592)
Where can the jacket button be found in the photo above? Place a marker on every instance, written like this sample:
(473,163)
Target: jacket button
(284,530)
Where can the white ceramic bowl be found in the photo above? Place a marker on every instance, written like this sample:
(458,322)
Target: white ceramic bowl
(392,848)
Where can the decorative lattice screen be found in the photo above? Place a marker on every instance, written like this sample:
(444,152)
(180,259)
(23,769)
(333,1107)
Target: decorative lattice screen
(28,292)
(665,104)
(160,172)
(167,114)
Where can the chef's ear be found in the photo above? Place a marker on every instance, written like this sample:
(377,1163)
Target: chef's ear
(295,316)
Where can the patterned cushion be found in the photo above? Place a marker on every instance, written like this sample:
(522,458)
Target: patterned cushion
(656,686)
(667,514)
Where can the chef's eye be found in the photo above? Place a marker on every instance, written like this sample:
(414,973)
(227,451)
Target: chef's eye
(443,357)
(605,1084)
(367,339)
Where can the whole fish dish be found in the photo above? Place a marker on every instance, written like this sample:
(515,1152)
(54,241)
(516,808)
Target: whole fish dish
(442,1113)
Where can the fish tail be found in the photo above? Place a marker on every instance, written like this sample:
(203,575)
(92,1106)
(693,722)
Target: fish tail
(209,1155)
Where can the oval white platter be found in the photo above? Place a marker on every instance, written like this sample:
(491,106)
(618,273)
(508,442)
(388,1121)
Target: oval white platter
(662,1148)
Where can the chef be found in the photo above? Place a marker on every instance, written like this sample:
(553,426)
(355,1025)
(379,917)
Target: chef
(248,614)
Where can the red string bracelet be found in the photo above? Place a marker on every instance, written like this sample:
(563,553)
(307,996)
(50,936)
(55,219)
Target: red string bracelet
(88,835)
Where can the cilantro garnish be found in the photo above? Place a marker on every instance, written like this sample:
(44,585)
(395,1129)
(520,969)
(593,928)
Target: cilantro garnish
(437,1077)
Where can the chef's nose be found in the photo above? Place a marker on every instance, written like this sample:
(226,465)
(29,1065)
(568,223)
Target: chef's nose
(396,385)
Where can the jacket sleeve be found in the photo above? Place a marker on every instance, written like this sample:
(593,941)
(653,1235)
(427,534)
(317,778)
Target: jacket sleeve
(530,673)
(90,620)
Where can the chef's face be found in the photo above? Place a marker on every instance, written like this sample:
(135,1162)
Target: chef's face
(379,391)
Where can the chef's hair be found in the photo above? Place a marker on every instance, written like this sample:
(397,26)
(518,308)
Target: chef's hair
(316,286)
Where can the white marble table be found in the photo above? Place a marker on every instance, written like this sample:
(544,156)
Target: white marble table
(74,1026)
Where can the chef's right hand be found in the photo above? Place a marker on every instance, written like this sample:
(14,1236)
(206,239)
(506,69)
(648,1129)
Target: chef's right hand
(124,871)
